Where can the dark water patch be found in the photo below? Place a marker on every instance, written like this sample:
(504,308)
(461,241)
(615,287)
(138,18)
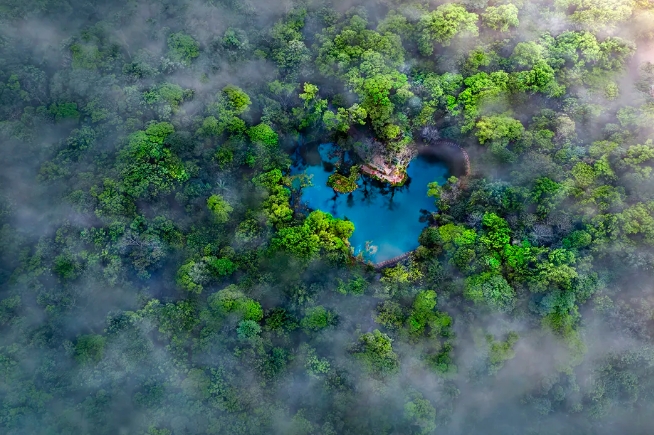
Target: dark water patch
(448,153)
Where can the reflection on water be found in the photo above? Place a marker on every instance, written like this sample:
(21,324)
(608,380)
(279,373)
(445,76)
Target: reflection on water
(387,220)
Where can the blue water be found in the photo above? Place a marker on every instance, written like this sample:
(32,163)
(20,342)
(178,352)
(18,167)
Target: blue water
(389,219)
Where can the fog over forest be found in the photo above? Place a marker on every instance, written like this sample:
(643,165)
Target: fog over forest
(160,275)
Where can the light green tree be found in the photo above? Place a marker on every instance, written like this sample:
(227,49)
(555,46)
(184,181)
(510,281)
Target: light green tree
(238,100)
(263,134)
(443,24)
(219,208)
(500,17)
(491,289)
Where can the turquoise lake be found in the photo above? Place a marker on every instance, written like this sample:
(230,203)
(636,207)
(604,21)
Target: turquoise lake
(387,220)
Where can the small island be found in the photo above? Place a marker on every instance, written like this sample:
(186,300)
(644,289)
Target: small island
(342,183)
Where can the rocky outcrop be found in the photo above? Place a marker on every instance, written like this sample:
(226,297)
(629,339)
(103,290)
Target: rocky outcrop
(384,173)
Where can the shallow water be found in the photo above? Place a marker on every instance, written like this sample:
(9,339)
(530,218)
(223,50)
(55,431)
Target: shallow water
(390,219)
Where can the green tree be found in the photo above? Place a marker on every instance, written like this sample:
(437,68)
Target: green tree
(320,231)
(239,101)
(423,311)
(191,276)
(491,289)
(313,106)
(220,209)
(443,24)
(577,240)
(290,51)
(291,55)
(497,232)
(248,329)
(263,134)
(344,118)
(375,351)
(421,415)
(166,93)
(527,54)
(148,165)
(231,300)
(183,48)
(315,365)
(481,88)
(197,384)
(499,132)
(221,266)
(317,318)
(596,13)
(500,351)
(64,111)
(501,17)
(276,206)
(89,348)
(498,129)
(66,267)
(390,315)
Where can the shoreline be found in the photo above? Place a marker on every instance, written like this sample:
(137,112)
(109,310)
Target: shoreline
(450,153)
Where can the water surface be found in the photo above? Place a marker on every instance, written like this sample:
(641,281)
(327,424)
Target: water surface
(389,219)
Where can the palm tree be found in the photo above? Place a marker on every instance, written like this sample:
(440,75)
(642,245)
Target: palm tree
(222,186)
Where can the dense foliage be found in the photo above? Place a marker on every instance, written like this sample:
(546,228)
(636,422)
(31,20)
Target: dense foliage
(156,276)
